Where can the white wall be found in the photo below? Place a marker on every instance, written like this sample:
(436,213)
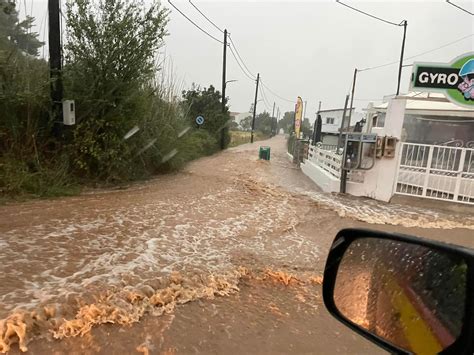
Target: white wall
(337,115)
(331,128)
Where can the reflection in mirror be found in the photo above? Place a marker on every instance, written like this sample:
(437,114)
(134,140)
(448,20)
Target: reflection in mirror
(407,294)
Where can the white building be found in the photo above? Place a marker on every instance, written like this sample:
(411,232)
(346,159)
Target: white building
(426,150)
(332,119)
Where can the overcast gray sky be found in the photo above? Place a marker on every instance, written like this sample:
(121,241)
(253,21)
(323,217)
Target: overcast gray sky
(308,48)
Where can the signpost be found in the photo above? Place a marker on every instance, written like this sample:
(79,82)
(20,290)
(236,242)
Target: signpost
(199,120)
(455,80)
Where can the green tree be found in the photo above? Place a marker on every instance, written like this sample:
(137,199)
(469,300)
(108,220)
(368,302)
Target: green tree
(246,123)
(110,71)
(287,122)
(207,103)
(263,123)
(16,35)
(306,128)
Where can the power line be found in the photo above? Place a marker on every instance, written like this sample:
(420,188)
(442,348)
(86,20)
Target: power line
(275,94)
(370,15)
(460,8)
(241,68)
(419,54)
(195,24)
(207,18)
(265,100)
(238,54)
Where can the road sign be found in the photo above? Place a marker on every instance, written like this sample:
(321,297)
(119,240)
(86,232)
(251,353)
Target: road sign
(199,120)
(455,79)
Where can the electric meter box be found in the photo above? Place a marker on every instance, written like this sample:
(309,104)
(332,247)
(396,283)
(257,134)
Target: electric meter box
(69,112)
(389,147)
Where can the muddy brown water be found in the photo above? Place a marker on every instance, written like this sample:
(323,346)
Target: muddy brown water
(115,271)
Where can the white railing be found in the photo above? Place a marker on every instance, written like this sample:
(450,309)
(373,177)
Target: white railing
(327,160)
(438,172)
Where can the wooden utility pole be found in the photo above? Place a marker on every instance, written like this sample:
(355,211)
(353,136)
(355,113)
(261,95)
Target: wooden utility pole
(405,24)
(254,107)
(55,67)
(343,121)
(224,68)
(273,120)
(352,95)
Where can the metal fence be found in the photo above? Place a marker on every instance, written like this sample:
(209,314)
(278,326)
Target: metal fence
(437,172)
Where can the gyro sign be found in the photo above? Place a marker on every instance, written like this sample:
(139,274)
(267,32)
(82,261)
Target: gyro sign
(455,79)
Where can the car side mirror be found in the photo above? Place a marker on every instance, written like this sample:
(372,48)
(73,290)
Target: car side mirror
(406,294)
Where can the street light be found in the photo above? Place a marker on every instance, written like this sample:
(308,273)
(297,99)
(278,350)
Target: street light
(223,110)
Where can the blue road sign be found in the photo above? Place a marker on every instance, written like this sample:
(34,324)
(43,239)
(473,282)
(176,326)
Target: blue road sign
(199,120)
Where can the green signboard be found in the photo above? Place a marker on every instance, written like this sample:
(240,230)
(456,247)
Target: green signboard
(455,79)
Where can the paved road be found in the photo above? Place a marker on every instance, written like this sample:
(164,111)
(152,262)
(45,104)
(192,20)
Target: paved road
(223,257)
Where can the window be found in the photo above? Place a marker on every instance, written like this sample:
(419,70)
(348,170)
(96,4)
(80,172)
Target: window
(330,120)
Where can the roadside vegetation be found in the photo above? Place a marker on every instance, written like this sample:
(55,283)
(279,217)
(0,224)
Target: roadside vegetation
(243,137)
(132,119)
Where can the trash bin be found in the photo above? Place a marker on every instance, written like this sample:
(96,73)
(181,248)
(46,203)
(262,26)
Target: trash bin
(264,153)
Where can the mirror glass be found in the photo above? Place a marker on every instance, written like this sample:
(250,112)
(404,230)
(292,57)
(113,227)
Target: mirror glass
(409,295)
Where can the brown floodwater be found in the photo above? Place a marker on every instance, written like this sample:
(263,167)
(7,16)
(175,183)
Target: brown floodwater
(115,270)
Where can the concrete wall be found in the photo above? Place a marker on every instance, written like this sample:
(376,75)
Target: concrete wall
(323,179)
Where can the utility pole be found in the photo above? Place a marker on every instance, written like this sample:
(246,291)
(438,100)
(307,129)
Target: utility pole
(254,107)
(405,24)
(319,108)
(55,67)
(352,95)
(273,120)
(339,142)
(304,114)
(224,67)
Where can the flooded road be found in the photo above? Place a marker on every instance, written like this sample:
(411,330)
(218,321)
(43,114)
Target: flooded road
(114,271)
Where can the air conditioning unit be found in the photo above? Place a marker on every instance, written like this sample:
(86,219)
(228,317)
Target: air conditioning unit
(69,112)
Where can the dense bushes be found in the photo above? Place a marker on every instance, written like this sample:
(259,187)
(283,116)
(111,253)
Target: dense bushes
(131,122)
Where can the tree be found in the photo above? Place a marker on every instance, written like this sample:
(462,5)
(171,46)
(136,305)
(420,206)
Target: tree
(246,123)
(263,123)
(110,71)
(306,128)
(287,122)
(16,35)
(207,103)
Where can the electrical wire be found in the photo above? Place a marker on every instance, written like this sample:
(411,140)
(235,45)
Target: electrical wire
(264,97)
(207,18)
(367,14)
(275,94)
(241,68)
(195,24)
(460,8)
(419,54)
(238,54)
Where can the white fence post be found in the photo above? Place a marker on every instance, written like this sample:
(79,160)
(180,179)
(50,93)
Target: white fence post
(427,172)
(459,174)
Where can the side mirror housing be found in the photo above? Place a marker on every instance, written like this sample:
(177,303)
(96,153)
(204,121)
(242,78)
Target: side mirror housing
(406,294)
